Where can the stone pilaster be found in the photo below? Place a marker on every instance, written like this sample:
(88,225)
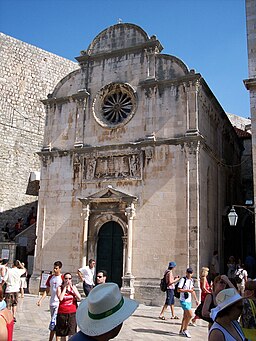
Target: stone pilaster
(193,205)
(86,215)
(128,279)
(192,89)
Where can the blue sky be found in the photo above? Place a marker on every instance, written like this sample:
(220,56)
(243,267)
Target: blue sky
(208,35)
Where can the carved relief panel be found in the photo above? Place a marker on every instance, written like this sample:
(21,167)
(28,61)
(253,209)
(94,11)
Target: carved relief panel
(112,166)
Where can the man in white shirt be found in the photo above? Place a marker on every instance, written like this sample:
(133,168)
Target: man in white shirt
(87,276)
(52,283)
(186,289)
(12,279)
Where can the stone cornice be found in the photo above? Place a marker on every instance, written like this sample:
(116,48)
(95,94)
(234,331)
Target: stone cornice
(250,83)
(124,146)
(151,44)
(152,82)
(60,100)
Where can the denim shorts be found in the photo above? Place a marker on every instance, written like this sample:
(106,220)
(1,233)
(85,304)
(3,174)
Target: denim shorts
(185,305)
(169,297)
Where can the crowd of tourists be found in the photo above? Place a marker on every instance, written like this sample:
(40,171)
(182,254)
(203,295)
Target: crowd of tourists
(227,302)
(12,285)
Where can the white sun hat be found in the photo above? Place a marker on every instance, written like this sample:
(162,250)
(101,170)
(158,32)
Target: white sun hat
(224,299)
(103,310)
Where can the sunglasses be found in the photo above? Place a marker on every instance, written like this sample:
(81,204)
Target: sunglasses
(99,276)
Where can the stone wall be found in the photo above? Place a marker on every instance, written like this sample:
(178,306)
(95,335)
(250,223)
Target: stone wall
(28,74)
(250,83)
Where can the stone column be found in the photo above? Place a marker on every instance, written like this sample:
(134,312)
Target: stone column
(128,279)
(86,214)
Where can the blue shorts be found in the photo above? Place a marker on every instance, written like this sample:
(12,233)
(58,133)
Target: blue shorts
(169,297)
(185,305)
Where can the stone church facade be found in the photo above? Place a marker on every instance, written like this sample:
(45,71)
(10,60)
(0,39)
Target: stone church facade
(135,165)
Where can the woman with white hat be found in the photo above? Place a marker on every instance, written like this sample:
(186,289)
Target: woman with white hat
(225,316)
(101,315)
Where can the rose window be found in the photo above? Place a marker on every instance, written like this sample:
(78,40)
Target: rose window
(114,105)
(117,107)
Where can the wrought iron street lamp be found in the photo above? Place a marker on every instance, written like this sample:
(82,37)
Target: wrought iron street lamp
(233,217)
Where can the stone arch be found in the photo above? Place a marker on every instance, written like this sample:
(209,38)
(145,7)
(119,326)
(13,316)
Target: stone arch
(98,222)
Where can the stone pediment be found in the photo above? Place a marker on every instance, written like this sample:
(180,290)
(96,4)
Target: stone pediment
(109,194)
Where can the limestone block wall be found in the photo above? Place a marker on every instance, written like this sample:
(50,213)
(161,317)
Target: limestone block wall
(28,74)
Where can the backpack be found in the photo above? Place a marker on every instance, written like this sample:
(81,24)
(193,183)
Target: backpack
(176,292)
(239,277)
(163,284)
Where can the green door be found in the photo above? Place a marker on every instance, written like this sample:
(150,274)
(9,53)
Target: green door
(110,251)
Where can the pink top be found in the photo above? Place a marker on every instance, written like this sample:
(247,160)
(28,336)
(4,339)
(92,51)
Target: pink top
(203,293)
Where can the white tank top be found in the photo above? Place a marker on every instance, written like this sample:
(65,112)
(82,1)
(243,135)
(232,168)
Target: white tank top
(227,335)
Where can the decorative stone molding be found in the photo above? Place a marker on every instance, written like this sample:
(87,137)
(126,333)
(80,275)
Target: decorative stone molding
(114,166)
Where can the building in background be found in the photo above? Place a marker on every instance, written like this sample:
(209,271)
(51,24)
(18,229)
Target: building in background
(137,165)
(250,83)
(27,75)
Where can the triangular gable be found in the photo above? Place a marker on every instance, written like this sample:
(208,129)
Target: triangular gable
(109,194)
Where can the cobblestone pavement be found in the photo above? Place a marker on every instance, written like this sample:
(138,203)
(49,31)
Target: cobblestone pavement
(32,324)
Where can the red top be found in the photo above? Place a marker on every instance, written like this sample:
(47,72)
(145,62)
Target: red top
(69,303)
(9,327)
(207,287)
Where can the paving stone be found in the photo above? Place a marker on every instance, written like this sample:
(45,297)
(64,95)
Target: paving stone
(32,323)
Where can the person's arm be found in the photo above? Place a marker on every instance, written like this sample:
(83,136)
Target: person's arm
(76,292)
(172,280)
(45,293)
(2,273)
(80,275)
(21,266)
(227,281)
(175,280)
(245,276)
(194,295)
(206,306)
(61,291)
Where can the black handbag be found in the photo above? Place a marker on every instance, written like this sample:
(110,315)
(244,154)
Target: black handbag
(198,312)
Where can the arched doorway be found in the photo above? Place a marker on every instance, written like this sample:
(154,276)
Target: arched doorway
(110,251)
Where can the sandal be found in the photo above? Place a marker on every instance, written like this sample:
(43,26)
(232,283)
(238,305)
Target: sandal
(175,318)
(161,317)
